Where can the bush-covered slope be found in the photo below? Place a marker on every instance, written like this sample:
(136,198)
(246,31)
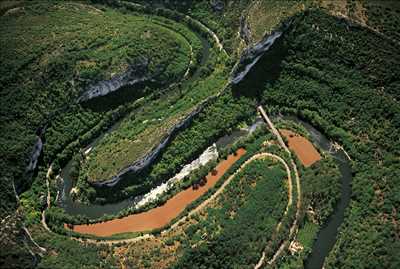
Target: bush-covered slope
(337,76)
(236,230)
(52,51)
(342,78)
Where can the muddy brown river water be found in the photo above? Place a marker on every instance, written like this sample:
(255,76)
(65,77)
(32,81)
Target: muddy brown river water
(303,148)
(162,215)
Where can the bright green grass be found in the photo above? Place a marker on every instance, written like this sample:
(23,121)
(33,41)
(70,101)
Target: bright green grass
(307,234)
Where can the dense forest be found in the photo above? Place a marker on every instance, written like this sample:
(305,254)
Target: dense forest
(248,222)
(43,71)
(71,65)
(336,67)
(342,85)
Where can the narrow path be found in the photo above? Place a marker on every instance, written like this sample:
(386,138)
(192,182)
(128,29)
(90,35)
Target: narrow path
(221,189)
(283,246)
(337,147)
(211,32)
(203,204)
(43,220)
(221,48)
(214,35)
(160,216)
(294,227)
(190,63)
(206,202)
(273,129)
(42,249)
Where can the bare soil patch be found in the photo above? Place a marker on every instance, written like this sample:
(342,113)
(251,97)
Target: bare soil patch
(303,148)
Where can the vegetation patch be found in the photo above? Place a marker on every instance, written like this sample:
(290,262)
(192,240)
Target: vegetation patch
(331,71)
(53,51)
(341,84)
(244,218)
(265,16)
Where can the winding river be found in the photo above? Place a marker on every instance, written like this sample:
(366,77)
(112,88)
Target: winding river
(326,237)
(94,211)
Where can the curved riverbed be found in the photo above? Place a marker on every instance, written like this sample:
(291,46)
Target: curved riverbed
(94,211)
(162,215)
(326,237)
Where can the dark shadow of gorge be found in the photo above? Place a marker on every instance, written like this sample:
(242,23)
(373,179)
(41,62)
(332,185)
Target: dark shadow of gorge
(262,75)
(124,95)
(266,71)
(110,200)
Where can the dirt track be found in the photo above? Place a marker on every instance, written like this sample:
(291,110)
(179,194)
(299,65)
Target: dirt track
(294,227)
(221,189)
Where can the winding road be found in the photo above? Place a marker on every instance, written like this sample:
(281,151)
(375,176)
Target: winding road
(220,189)
(206,202)
(219,45)
(294,227)
(200,207)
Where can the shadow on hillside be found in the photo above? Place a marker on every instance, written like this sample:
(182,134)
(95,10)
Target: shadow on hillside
(266,71)
(124,95)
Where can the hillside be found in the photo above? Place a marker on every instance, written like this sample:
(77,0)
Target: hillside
(235,134)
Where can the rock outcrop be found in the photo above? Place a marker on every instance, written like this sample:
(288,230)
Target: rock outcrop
(245,32)
(36,151)
(252,54)
(136,73)
(217,5)
(153,154)
(211,153)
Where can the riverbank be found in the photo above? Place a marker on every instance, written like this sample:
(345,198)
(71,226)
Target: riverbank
(160,216)
(302,147)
